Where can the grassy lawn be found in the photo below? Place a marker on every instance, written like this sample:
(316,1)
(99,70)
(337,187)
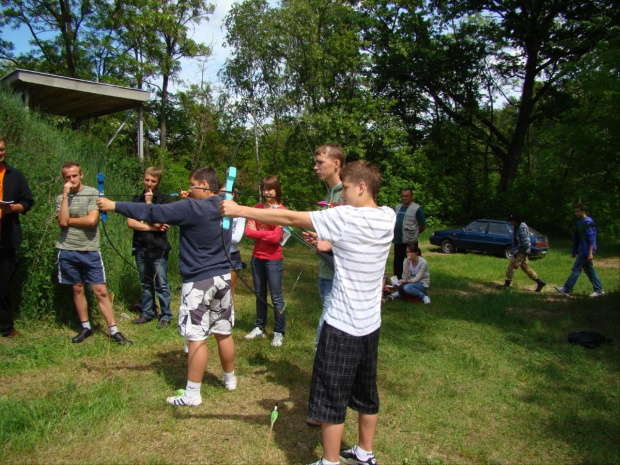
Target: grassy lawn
(480,376)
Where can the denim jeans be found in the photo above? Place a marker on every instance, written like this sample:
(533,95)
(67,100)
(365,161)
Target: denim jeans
(588,267)
(325,292)
(268,273)
(415,289)
(154,279)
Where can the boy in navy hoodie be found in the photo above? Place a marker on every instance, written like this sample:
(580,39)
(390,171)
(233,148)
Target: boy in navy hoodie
(206,304)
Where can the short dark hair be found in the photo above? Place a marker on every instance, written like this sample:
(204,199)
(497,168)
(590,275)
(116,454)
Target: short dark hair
(206,173)
(407,189)
(581,207)
(363,171)
(69,164)
(272,182)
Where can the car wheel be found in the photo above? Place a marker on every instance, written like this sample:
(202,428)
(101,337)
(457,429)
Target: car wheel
(447,246)
(508,253)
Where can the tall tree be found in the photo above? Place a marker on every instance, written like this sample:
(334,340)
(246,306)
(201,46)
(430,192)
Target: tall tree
(463,55)
(63,52)
(172,22)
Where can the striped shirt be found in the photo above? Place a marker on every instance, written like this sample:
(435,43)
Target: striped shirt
(361,239)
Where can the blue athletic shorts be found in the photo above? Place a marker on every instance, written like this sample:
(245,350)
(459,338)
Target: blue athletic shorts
(75,266)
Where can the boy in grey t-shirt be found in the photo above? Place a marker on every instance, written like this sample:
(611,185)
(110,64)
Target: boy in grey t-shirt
(79,259)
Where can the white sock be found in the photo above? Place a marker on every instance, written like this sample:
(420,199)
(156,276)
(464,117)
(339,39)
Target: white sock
(324,461)
(113,330)
(86,324)
(229,376)
(362,454)
(396,295)
(192,389)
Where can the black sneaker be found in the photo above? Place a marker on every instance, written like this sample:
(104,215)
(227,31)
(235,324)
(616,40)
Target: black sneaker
(83,334)
(120,339)
(540,286)
(140,320)
(163,324)
(349,457)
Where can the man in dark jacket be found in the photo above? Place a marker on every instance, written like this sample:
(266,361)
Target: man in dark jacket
(15,199)
(151,247)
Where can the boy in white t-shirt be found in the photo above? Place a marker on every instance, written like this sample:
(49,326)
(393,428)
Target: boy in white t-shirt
(345,366)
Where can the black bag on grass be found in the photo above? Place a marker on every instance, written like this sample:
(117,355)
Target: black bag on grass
(588,339)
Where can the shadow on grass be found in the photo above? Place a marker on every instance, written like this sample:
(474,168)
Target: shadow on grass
(568,386)
(291,435)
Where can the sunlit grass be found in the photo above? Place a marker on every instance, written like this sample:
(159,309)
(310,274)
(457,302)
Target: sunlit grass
(479,376)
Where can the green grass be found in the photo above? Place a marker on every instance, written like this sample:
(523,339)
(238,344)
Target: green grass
(480,376)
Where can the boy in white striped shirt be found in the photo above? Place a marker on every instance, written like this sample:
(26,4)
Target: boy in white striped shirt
(345,366)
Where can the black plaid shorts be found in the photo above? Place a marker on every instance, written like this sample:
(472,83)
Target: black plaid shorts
(344,375)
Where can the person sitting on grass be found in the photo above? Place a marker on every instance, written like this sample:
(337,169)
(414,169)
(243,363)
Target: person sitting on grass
(416,277)
(206,304)
(345,364)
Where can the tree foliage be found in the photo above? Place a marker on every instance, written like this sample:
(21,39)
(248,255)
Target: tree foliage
(462,56)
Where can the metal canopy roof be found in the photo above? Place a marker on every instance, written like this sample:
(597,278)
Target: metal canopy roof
(74,98)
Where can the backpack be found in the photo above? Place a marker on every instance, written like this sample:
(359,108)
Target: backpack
(588,339)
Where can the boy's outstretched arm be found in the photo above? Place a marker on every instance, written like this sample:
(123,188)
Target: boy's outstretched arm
(279,217)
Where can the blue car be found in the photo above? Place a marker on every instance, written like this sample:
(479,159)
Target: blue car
(491,236)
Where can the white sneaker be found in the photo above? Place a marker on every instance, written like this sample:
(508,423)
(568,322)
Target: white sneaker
(278,339)
(562,290)
(426,299)
(181,400)
(230,384)
(597,294)
(256,332)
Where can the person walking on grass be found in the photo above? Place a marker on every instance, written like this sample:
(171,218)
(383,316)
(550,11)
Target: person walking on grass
(206,304)
(151,248)
(345,364)
(584,249)
(521,248)
(79,258)
(416,277)
(267,263)
(15,199)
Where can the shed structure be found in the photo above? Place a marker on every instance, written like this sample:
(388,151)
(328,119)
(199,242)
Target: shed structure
(77,99)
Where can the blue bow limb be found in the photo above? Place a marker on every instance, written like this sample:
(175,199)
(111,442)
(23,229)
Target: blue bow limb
(100,181)
(231,174)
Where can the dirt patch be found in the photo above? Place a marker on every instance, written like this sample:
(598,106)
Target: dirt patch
(529,312)
(607,263)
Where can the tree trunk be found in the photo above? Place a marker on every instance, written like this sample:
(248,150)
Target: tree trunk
(515,148)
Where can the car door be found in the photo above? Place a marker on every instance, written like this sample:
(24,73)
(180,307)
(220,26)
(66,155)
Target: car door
(499,237)
(474,236)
